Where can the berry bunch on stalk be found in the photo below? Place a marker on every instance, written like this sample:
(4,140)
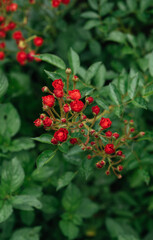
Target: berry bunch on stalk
(26,50)
(65,115)
(56,3)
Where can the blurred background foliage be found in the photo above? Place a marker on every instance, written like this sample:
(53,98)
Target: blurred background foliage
(68,198)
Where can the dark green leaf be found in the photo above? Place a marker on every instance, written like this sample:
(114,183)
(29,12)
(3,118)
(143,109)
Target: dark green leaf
(53,59)
(45,157)
(69,229)
(65,180)
(3,83)
(5,211)
(91,72)
(74,61)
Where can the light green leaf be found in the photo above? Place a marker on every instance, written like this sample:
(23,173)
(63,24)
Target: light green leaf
(45,157)
(148,90)
(87,208)
(93,4)
(91,72)
(69,229)
(133,83)
(91,24)
(53,75)
(3,83)
(116,36)
(53,60)
(26,202)
(74,61)
(151,64)
(100,77)
(65,180)
(5,211)
(44,138)
(23,143)
(12,174)
(114,94)
(101,103)
(89,14)
(140,102)
(27,234)
(72,198)
(9,120)
(64,147)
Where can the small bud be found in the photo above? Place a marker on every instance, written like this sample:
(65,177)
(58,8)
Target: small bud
(125,122)
(89,156)
(123,140)
(116,135)
(141,134)
(45,108)
(119,176)
(92,143)
(83,117)
(92,131)
(75,78)
(107,172)
(63,120)
(120,168)
(54,141)
(119,153)
(131,122)
(44,89)
(89,148)
(68,71)
(89,100)
(98,165)
(42,116)
(102,163)
(123,156)
(81,125)
(132,129)
(82,130)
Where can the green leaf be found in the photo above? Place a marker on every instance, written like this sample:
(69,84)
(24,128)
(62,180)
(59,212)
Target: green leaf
(26,202)
(100,77)
(114,94)
(89,14)
(74,61)
(5,211)
(148,90)
(151,64)
(72,198)
(53,59)
(43,173)
(101,103)
(93,4)
(12,174)
(45,157)
(64,147)
(23,143)
(133,83)
(87,208)
(122,83)
(26,234)
(69,229)
(9,120)
(53,75)
(127,237)
(91,72)
(65,180)
(91,24)
(140,102)
(3,84)
(44,138)
(145,176)
(116,36)
(132,5)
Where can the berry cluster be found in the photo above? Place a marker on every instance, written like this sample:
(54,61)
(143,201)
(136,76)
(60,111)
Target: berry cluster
(56,3)
(69,120)
(7,24)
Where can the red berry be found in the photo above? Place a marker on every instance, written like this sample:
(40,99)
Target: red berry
(116,135)
(13,7)
(21,57)
(102,163)
(119,153)
(92,143)
(48,100)
(107,172)
(2,45)
(81,125)
(95,110)
(47,122)
(61,135)
(120,168)
(38,122)
(89,156)
(105,123)
(66,108)
(73,140)
(54,141)
(2,34)
(109,148)
(2,18)
(74,94)
(63,120)
(38,41)
(98,165)
(11,25)
(89,100)
(108,134)
(65,2)
(30,56)
(132,129)
(17,35)
(56,3)
(2,55)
